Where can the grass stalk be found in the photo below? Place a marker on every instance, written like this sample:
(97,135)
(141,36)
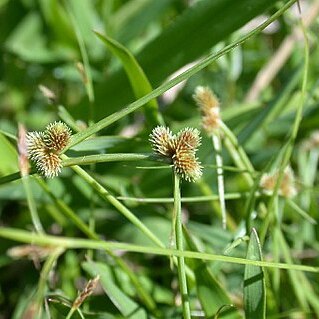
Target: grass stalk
(32,206)
(220,178)
(102,158)
(180,247)
(81,243)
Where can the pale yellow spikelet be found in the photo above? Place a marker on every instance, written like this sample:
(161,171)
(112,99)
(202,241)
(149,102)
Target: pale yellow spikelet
(162,140)
(287,186)
(312,142)
(209,107)
(188,138)
(205,98)
(45,147)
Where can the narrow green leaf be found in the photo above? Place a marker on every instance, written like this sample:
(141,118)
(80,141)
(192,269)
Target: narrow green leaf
(254,282)
(139,82)
(124,304)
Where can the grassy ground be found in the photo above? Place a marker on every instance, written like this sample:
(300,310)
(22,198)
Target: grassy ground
(180,179)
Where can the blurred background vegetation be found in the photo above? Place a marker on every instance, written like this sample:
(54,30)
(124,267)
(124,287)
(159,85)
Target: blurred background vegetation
(50,45)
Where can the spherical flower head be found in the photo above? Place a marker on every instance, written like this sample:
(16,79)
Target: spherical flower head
(188,139)
(57,136)
(180,149)
(209,107)
(187,165)
(44,148)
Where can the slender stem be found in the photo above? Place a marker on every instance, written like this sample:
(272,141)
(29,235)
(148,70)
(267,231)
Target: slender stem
(101,158)
(180,247)
(47,267)
(81,243)
(32,206)
(220,178)
(194,199)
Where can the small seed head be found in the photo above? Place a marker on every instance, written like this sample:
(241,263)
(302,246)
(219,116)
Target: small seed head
(57,136)
(180,148)
(287,186)
(162,141)
(44,148)
(86,292)
(209,107)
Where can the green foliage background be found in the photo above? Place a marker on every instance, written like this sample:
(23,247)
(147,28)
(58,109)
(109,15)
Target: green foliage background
(84,51)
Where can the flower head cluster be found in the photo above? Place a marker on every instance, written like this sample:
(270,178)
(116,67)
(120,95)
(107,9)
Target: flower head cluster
(287,186)
(45,147)
(180,149)
(209,106)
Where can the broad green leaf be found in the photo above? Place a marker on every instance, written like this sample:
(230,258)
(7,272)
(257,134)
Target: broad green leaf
(124,304)
(210,292)
(195,32)
(254,282)
(137,77)
(9,157)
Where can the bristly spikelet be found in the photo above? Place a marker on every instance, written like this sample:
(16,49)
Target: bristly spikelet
(187,165)
(162,141)
(180,149)
(312,142)
(209,106)
(86,292)
(287,186)
(44,148)
(57,136)
(35,145)
(49,165)
(188,138)
(205,98)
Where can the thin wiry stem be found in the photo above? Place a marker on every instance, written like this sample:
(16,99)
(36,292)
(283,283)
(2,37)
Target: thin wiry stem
(180,247)
(220,178)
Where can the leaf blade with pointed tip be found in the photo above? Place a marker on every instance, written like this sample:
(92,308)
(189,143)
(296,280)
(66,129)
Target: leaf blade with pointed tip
(139,82)
(254,282)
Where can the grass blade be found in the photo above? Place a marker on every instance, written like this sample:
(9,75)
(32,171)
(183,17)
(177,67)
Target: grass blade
(254,282)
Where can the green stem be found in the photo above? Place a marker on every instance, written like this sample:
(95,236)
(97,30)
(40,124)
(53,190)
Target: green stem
(32,206)
(220,178)
(194,199)
(180,247)
(102,158)
(238,154)
(81,243)
(77,138)
(117,204)
(47,267)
